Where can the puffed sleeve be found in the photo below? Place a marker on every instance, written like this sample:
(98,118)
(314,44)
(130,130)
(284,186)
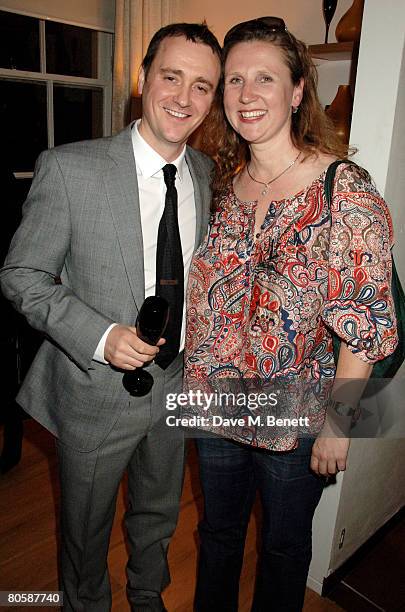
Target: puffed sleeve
(358,305)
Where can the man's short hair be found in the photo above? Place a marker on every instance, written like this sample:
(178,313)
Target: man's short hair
(196,32)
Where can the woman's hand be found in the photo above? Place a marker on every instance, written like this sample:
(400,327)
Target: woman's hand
(329,455)
(330,449)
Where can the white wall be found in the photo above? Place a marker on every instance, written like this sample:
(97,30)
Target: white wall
(324,530)
(395,183)
(377,87)
(98,14)
(331,75)
(373,490)
(303,17)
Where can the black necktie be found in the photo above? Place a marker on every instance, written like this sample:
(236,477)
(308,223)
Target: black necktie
(170,269)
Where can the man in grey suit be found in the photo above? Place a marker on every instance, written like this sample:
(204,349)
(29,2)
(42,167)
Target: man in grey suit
(79,268)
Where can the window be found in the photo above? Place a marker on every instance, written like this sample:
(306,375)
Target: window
(19,47)
(23,120)
(76,113)
(55,87)
(71,50)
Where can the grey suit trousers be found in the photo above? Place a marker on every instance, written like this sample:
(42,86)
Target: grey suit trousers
(153,455)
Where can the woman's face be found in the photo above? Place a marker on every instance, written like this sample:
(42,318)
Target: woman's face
(259,93)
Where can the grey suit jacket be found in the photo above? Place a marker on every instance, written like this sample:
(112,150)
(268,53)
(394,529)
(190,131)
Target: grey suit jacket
(81,222)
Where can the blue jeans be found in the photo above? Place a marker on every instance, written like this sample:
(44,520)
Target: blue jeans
(230,475)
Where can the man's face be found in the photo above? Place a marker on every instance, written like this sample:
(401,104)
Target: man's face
(177,93)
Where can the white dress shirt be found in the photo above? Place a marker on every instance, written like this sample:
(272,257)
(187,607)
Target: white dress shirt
(152,191)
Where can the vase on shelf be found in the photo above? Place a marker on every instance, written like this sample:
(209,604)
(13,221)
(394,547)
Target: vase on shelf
(329,8)
(349,27)
(340,111)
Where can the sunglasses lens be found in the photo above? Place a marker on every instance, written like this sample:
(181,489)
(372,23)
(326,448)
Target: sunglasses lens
(274,24)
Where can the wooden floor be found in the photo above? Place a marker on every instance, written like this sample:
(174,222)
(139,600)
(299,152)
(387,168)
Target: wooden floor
(28,534)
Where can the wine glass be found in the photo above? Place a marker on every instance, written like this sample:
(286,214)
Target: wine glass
(329,8)
(150,326)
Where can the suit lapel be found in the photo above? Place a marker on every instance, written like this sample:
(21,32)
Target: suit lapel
(201,195)
(122,191)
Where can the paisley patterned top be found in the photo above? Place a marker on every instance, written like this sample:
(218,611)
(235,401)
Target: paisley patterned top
(263,307)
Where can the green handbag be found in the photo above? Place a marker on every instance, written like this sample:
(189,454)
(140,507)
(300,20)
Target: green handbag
(387,367)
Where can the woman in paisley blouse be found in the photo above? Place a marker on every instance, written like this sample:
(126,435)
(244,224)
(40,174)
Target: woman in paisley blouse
(277,272)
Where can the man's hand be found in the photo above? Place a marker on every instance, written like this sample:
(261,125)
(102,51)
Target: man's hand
(123,349)
(329,455)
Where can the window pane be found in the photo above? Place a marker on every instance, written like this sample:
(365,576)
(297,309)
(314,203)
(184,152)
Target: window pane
(23,124)
(78,113)
(70,50)
(19,42)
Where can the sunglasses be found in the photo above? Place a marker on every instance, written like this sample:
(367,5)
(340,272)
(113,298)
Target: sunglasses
(272,24)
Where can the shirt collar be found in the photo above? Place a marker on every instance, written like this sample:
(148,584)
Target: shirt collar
(148,162)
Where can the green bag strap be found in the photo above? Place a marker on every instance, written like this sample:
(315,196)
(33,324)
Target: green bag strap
(397,283)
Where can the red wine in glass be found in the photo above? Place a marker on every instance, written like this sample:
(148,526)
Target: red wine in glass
(329,8)
(150,326)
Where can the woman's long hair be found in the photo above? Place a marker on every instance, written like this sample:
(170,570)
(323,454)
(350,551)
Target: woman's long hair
(311,130)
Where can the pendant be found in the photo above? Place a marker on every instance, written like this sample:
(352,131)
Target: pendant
(265,190)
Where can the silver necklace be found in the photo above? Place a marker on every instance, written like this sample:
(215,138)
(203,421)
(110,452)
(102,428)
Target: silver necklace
(268,183)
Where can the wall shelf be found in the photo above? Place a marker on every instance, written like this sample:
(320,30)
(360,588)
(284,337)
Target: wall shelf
(332,51)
